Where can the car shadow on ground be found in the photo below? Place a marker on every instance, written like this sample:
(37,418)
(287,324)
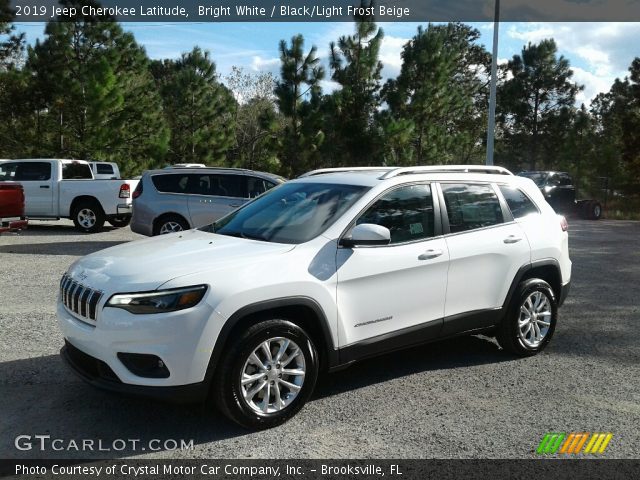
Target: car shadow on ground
(59,248)
(71,409)
(43,228)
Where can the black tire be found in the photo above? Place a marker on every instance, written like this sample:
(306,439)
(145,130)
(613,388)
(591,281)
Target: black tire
(227,389)
(120,222)
(595,210)
(169,223)
(88,216)
(508,333)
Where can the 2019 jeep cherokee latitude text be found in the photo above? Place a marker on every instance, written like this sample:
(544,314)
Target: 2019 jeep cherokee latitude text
(317,273)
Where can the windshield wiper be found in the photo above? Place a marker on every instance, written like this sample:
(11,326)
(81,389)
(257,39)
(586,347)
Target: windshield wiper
(248,236)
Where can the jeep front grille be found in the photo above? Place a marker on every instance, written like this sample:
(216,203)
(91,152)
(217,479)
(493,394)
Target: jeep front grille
(79,298)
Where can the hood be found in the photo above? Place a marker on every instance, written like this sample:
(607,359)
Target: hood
(147,264)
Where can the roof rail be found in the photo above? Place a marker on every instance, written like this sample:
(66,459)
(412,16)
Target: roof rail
(489,169)
(322,171)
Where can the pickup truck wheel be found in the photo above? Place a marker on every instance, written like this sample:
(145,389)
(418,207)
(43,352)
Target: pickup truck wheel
(170,224)
(119,222)
(266,375)
(595,210)
(88,217)
(530,320)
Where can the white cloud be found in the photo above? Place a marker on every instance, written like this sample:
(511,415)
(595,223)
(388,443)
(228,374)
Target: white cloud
(599,52)
(390,56)
(259,64)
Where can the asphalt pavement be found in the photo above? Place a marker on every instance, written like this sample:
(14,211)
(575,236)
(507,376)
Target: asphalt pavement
(462,398)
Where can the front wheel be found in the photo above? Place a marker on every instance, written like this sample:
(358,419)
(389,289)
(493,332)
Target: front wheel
(530,320)
(267,375)
(88,217)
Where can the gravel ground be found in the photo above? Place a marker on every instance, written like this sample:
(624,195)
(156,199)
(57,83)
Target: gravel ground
(463,398)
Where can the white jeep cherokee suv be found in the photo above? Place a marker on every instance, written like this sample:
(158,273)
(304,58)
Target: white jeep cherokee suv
(319,272)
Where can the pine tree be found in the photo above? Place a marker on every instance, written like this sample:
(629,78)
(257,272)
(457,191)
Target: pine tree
(95,95)
(198,108)
(540,88)
(298,96)
(441,93)
(356,68)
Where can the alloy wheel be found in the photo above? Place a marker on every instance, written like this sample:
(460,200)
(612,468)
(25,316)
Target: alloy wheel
(86,218)
(535,319)
(170,227)
(273,375)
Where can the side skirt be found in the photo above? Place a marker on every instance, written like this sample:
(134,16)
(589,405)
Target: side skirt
(455,325)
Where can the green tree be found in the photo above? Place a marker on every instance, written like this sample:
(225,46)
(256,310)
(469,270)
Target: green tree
(617,116)
(94,96)
(441,91)
(298,96)
(356,68)
(540,89)
(198,109)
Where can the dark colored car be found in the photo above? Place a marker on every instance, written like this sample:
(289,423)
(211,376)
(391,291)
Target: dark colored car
(559,191)
(12,207)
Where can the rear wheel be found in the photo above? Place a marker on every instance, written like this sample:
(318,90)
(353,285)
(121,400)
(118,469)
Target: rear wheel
(88,216)
(120,222)
(531,319)
(170,224)
(267,375)
(594,210)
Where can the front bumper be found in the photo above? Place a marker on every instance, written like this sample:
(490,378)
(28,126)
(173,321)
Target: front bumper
(99,374)
(183,340)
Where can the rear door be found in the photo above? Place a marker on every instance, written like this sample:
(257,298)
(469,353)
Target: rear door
(486,249)
(213,195)
(37,180)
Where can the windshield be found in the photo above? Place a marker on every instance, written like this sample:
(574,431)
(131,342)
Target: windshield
(539,178)
(291,213)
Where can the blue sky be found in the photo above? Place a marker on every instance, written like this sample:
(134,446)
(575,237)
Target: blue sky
(598,52)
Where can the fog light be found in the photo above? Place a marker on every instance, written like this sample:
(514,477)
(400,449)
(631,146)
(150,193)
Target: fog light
(144,365)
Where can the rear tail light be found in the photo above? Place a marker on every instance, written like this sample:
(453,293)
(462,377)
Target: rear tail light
(125,191)
(563,224)
(138,191)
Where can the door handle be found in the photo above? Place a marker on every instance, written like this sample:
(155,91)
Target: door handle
(44,186)
(235,205)
(429,254)
(512,239)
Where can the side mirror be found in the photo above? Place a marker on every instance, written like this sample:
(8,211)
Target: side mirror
(367,234)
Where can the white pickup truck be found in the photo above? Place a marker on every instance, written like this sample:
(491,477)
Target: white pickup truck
(55,189)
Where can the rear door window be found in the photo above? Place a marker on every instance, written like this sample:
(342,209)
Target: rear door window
(227,185)
(104,169)
(76,171)
(471,206)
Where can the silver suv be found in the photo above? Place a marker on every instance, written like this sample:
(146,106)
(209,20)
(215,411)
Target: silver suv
(172,200)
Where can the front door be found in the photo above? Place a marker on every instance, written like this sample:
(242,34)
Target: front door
(396,288)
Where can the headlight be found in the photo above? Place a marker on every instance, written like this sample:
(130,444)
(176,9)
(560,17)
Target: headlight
(158,302)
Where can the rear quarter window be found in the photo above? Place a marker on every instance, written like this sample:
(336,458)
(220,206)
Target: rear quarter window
(171,183)
(519,203)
